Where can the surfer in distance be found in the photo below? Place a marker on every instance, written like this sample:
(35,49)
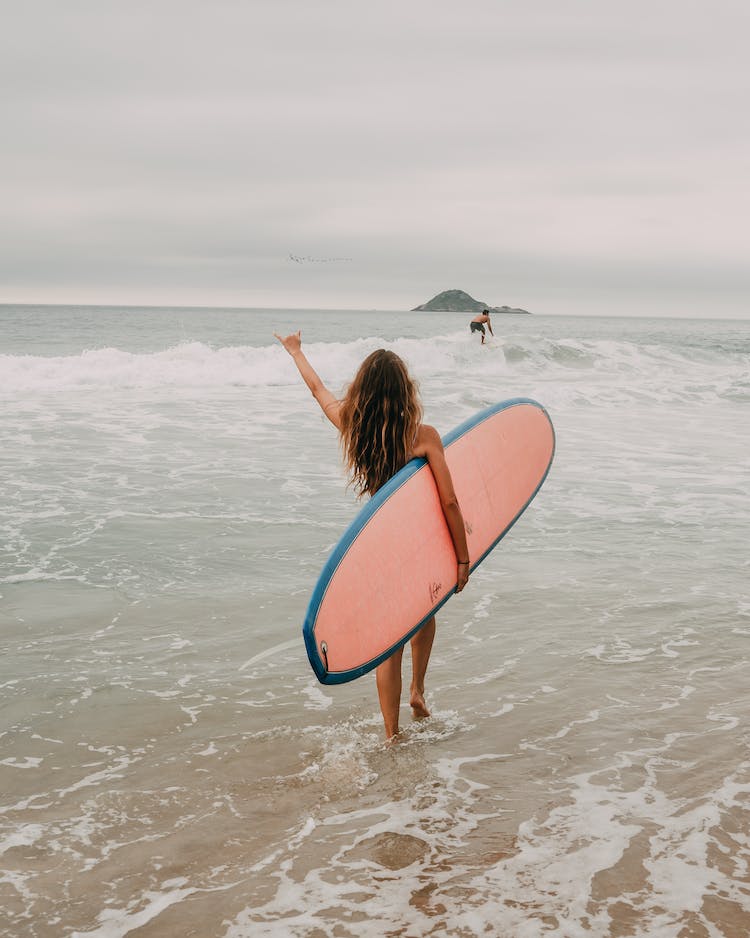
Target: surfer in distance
(379,420)
(477,324)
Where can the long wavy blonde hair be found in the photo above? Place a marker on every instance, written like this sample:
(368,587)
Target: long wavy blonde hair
(380,415)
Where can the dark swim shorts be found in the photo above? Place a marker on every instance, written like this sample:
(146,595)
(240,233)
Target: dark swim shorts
(477,327)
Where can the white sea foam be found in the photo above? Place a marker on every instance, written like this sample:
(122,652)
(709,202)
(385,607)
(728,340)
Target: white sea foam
(652,372)
(28,762)
(316,699)
(546,874)
(23,836)
(116,923)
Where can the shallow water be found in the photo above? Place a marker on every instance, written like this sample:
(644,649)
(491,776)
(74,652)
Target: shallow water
(170,765)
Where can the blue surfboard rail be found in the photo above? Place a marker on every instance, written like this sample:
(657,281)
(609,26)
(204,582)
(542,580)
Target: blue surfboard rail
(317,663)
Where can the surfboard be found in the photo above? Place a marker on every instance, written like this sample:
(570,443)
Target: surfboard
(395,565)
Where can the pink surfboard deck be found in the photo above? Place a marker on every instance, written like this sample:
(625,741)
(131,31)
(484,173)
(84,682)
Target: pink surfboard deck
(395,565)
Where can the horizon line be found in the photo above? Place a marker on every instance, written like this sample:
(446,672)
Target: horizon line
(372,309)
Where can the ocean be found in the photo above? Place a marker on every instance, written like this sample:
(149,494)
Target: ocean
(169,765)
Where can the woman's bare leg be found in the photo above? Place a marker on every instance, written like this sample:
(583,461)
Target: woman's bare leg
(421,646)
(388,680)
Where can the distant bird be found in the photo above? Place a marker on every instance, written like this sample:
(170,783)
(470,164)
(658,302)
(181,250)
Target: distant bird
(318,260)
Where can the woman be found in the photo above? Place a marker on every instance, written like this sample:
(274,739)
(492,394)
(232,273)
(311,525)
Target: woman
(379,421)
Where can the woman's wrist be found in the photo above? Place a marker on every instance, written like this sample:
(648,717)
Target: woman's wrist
(463,563)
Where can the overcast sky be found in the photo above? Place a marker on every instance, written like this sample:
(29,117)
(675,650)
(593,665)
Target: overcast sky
(565,157)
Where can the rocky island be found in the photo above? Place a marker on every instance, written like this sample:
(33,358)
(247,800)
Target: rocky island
(457,301)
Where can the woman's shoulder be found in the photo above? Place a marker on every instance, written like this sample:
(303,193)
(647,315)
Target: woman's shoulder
(427,438)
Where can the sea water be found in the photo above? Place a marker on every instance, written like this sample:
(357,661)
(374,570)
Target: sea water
(169,766)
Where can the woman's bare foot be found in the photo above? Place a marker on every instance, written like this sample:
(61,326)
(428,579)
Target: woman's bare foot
(417,704)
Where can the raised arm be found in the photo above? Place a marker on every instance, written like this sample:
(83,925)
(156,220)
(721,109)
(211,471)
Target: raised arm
(328,403)
(430,446)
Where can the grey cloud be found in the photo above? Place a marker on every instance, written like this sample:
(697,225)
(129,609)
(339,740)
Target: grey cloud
(193,146)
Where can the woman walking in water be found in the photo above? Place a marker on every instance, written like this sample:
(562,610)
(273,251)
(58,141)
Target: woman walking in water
(379,420)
